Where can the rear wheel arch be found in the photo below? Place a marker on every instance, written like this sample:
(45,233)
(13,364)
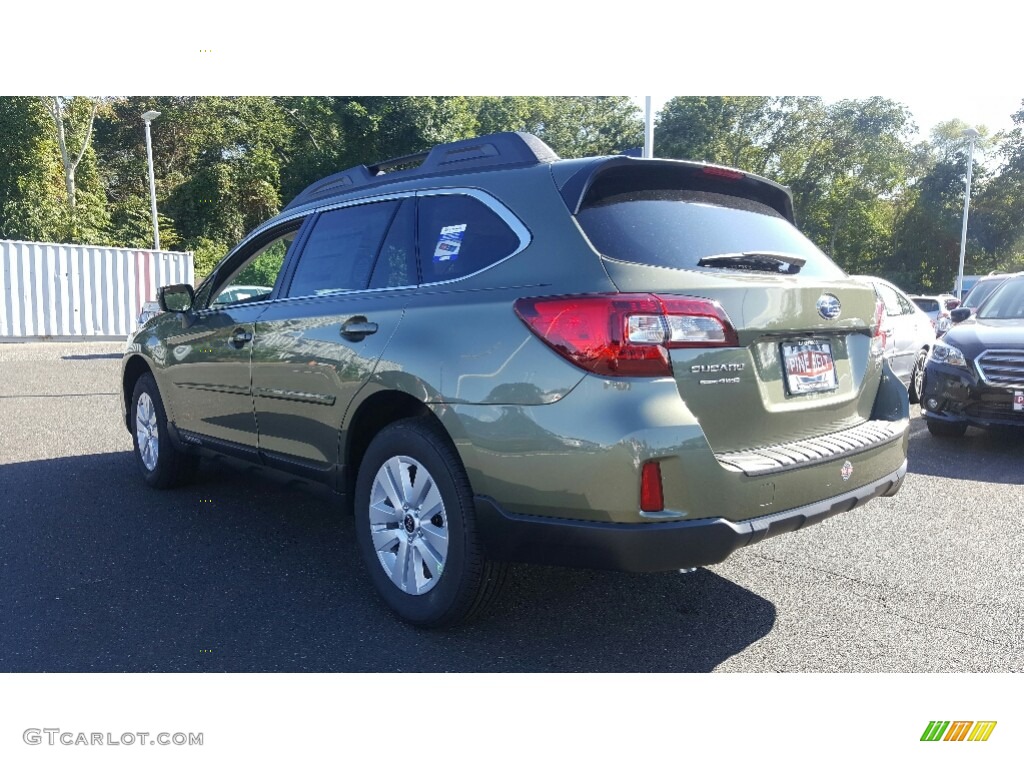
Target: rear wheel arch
(373,414)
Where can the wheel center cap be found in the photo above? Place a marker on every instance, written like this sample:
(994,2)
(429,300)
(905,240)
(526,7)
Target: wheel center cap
(409,523)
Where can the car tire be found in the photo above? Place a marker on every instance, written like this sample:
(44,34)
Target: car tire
(916,387)
(416,527)
(946,428)
(161,463)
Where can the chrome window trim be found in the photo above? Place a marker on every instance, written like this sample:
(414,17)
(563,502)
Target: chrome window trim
(520,230)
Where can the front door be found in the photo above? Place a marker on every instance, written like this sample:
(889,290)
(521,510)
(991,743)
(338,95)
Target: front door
(209,361)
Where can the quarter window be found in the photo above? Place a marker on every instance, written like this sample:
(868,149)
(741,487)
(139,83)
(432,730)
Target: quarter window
(459,235)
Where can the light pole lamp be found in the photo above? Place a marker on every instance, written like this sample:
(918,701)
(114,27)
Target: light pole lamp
(149,117)
(971,134)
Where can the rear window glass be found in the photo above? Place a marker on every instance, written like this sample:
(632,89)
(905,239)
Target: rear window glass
(677,228)
(928,305)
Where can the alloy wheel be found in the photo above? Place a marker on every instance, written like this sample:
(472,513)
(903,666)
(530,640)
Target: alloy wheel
(146,433)
(408,525)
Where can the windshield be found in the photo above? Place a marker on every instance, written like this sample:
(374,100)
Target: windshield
(1006,303)
(928,305)
(678,228)
(980,292)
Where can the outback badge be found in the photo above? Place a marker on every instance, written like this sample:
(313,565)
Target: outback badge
(829,306)
(846,471)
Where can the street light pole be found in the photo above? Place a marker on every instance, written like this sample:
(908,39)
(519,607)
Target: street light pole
(971,134)
(648,129)
(149,117)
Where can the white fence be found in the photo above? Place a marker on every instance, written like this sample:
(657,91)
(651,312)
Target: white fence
(51,290)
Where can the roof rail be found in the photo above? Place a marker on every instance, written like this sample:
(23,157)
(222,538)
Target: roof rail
(493,150)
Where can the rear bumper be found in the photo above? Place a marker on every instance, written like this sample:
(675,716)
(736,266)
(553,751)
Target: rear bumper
(651,547)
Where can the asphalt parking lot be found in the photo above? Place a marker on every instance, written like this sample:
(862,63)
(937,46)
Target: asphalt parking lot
(242,572)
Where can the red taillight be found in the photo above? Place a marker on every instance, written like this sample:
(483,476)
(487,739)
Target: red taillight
(722,173)
(626,334)
(652,499)
(877,334)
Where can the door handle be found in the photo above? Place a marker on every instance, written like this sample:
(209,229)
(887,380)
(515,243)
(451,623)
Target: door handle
(357,328)
(240,338)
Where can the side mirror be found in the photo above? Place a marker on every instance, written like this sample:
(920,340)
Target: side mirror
(960,314)
(176,298)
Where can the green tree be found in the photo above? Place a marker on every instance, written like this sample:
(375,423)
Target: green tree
(996,223)
(857,158)
(31,184)
(580,126)
(926,249)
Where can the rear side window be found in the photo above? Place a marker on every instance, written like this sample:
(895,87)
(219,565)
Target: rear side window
(341,249)
(459,235)
(396,264)
(677,228)
(894,303)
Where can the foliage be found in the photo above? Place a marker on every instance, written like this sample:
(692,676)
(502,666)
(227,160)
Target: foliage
(863,190)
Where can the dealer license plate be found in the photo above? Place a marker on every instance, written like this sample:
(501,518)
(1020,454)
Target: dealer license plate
(809,367)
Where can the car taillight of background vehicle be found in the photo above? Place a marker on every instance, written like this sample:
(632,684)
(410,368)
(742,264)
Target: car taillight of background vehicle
(878,336)
(626,334)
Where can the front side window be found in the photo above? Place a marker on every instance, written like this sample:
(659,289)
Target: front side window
(980,292)
(1005,303)
(341,249)
(459,235)
(257,275)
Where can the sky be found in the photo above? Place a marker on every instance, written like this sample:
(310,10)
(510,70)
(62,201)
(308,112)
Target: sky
(936,63)
(990,109)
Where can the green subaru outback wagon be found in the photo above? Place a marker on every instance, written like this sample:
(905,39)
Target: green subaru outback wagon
(495,355)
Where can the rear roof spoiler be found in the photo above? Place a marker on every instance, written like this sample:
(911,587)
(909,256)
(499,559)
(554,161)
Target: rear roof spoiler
(491,151)
(608,175)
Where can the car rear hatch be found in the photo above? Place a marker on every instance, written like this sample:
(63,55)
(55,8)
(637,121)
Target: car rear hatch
(794,359)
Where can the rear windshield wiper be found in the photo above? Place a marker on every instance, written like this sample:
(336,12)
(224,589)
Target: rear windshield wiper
(758,262)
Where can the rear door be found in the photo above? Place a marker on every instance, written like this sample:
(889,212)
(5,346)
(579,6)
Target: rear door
(803,365)
(316,347)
